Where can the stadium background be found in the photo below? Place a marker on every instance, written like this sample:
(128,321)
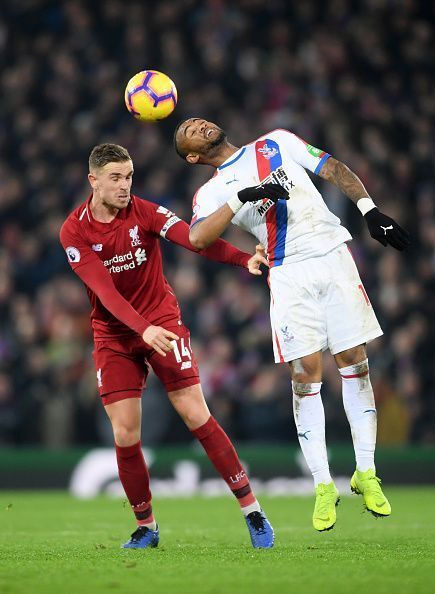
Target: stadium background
(354,78)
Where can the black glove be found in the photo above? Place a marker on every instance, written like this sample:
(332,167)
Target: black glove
(270,191)
(386,230)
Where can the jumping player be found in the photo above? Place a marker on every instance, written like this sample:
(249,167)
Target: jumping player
(112,244)
(317,298)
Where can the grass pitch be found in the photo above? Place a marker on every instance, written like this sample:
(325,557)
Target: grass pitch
(51,543)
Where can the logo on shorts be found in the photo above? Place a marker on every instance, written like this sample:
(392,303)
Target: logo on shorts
(134,235)
(73,254)
(287,334)
(99,380)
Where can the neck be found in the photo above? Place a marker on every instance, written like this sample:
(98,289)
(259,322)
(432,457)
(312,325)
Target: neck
(103,213)
(224,153)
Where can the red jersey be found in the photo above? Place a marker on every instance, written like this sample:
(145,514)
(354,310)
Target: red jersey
(121,265)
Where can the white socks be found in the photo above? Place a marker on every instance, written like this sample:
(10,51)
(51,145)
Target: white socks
(310,424)
(248,509)
(359,404)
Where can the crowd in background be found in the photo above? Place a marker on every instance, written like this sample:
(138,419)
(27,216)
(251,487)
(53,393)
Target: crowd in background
(353,78)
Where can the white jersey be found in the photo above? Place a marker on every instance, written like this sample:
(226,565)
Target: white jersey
(290,230)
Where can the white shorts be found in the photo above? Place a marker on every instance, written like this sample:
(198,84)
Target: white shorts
(317,304)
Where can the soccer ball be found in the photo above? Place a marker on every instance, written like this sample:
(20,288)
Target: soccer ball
(150,95)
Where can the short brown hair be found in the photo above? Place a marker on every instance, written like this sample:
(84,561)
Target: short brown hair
(107,153)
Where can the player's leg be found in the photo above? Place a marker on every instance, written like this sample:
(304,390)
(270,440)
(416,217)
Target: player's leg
(121,375)
(124,412)
(179,373)
(190,404)
(309,417)
(351,323)
(299,336)
(360,407)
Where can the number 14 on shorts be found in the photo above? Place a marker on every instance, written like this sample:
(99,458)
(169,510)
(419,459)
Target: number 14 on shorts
(183,353)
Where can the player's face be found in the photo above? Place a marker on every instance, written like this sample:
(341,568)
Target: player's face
(112,184)
(200,137)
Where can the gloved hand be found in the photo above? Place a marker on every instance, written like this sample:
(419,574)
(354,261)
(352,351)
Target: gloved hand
(270,191)
(386,230)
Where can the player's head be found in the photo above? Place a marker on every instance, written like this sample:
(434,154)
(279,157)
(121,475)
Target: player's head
(111,174)
(198,141)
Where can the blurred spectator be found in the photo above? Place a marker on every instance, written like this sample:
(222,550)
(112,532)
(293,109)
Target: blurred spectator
(355,78)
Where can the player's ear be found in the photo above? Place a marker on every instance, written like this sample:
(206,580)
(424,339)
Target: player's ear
(92,180)
(192,158)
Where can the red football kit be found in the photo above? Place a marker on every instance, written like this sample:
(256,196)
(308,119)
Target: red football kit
(121,265)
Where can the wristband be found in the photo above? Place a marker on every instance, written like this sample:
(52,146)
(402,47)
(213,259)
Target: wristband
(235,204)
(365,204)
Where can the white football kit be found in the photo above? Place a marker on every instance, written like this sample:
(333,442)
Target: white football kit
(317,298)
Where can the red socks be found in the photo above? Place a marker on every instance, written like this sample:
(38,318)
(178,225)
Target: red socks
(224,458)
(135,479)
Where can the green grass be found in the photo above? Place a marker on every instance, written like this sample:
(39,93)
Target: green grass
(51,543)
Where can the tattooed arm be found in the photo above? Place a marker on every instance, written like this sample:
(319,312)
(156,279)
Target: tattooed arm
(346,180)
(381,227)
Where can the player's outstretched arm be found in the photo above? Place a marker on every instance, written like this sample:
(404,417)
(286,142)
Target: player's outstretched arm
(206,231)
(219,251)
(381,227)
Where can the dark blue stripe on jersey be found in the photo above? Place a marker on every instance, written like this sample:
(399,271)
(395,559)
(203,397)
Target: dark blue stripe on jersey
(280,209)
(321,163)
(234,160)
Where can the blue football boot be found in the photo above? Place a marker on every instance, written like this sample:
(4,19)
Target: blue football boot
(142,538)
(260,530)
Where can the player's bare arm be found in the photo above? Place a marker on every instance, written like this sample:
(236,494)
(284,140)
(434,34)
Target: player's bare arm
(381,227)
(205,232)
(344,178)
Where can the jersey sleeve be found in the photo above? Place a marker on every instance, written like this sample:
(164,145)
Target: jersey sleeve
(205,202)
(77,250)
(219,251)
(163,220)
(302,152)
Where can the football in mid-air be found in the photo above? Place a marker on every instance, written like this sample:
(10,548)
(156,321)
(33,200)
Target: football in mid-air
(150,95)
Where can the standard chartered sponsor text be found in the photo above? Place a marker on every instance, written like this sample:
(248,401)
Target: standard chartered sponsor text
(128,261)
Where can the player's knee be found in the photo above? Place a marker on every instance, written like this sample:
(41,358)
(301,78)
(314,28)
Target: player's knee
(306,370)
(351,356)
(126,435)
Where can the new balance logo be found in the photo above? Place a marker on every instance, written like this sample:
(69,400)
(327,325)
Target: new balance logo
(386,229)
(99,380)
(97,247)
(186,365)
(140,255)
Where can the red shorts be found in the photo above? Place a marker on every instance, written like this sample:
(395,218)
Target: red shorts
(122,366)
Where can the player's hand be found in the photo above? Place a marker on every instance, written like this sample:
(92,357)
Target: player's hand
(257,259)
(269,191)
(159,339)
(386,230)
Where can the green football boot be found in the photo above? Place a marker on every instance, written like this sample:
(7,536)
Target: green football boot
(368,485)
(324,515)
